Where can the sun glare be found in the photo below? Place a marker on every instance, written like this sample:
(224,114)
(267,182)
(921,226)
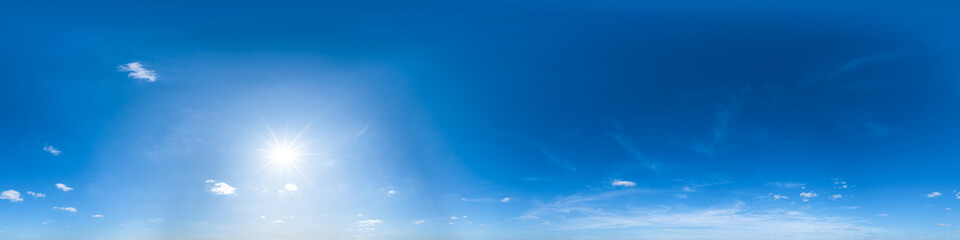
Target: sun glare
(283,154)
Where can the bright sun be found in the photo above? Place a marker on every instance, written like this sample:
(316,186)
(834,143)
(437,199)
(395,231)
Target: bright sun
(283,154)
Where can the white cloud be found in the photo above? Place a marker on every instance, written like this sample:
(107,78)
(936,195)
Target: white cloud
(808,195)
(38,195)
(290,187)
(263,217)
(98,216)
(777,196)
(850,207)
(277,221)
(933,194)
(787,184)
(836,196)
(369,223)
(222,188)
(137,71)
(68,209)
(391,192)
(11,195)
(943,224)
(838,183)
(210,181)
(736,221)
(156,220)
(63,187)
(623,183)
(420,221)
(453,218)
(506,199)
(52,150)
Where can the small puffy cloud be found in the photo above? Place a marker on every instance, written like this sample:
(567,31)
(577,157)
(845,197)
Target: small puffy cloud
(290,187)
(36,195)
(836,196)
(210,181)
(222,188)
(777,196)
(840,184)
(98,216)
(943,224)
(391,192)
(137,71)
(52,150)
(808,195)
(63,187)
(506,199)
(623,183)
(453,218)
(420,221)
(263,217)
(11,195)
(68,209)
(933,194)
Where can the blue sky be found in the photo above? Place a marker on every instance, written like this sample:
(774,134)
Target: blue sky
(479,120)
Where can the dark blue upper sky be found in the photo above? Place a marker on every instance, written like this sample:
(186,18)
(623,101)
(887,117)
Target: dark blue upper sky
(479,120)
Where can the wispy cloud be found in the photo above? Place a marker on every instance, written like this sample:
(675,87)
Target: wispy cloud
(52,150)
(68,209)
(787,184)
(419,221)
(137,71)
(63,187)
(735,221)
(776,196)
(97,216)
(36,195)
(836,196)
(505,200)
(933,194)
(11,195)
(368,225)
(630,147)
(840,184)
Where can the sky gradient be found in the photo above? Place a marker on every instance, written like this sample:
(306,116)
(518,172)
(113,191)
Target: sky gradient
(479,120)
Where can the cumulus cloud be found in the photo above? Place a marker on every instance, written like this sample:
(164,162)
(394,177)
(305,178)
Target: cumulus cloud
(290,187)
(623,183)
(63,187)
(506,199)
(836,196)
(98,216)
(68,209)
(933,194)
(11,195)
(52,150)
(137,71)
(36,195)
(222,188)
(808,195)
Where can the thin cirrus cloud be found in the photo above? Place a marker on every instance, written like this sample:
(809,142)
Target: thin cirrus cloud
(11,195)
(68,209)
(63,187)
(36,194)
(138,71)
(97,216)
